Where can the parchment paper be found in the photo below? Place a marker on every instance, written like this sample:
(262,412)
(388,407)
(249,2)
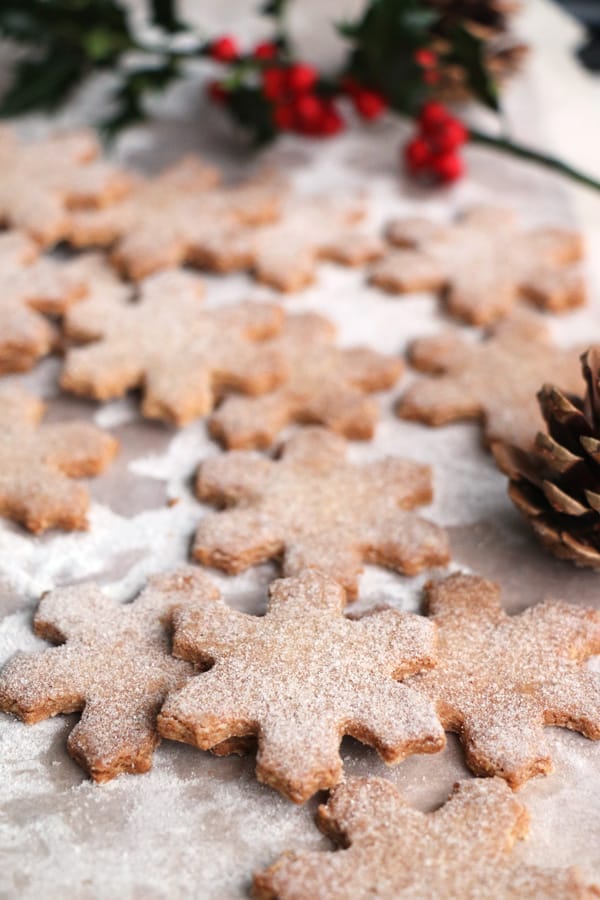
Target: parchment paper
(197,826)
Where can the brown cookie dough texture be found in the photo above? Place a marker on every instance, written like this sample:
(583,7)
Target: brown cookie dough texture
(37,463)
(44,181)
(495,380)
(501,679)
(484,263)
(299,678)
(285,254)
(167,219)
(326,385)
(315,509)
(29,288)
(389,850)
(182,355)
(113,665)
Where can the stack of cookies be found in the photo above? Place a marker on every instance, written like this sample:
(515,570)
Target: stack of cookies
(99,267)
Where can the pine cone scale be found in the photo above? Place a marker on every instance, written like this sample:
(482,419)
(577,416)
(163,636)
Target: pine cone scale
(559,460)
(566,421)
(561,502)
(556,486)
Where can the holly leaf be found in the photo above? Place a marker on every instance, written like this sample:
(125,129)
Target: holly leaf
(40,84)
(274,8)
(419,20)
(253,112)
(468,51)
(385,38)
(63,42)
(128,100)
(164,14)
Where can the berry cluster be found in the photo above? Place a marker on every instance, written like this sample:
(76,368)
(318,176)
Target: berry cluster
(433,154)
(291,95)
(298,104)
(299,100)
(428,61)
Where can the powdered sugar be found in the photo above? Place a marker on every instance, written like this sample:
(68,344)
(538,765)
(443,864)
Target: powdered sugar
(197,825)
(314,509)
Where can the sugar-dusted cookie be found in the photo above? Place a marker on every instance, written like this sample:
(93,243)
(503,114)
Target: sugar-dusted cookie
(495,380)
(29,287)
(285,254)
(299,678)
(37,463)
(315,509)
(42,181)
(180,353)
(114,665)
(484,263)
(328,385)
(35,289)
(500,679)
(166,220)
(389,850)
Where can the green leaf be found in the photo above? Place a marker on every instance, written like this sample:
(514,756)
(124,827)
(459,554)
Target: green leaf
(419,20)
(275,8)
(41,84)
(64,42)
(469,52)
(348,30)
(384,39)
(164,14)
(128,100)
(253,112)
(100,44)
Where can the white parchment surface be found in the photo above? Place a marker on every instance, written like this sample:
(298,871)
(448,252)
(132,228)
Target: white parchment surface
(197,826)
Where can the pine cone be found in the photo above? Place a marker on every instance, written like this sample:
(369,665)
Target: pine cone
(488,20)
(557,486)
(486,17)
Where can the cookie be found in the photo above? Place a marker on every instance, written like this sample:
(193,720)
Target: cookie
(37,463)
(299,678)
(29,287)
(166,220)
(285,254)
(484,263)
(494,380)
(43,180)
(315,509)
(326,385)
(182,355)
(389,850)
(113,665)
(501,679)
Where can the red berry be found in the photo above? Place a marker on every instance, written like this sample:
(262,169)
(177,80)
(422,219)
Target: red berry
(301,78)
(417,155)
(332,122)
(224,49)
(266,50)
(274,83)
(432,115)
(448,167)
(284,116)
(431,77)
(309,112)
(369,104)
(449,136)
(427,59)
(216,91)
(349,85)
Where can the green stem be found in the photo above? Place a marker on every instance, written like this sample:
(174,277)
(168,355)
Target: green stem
(550,162)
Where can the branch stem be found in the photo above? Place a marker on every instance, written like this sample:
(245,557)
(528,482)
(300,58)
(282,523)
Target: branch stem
(542,159)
